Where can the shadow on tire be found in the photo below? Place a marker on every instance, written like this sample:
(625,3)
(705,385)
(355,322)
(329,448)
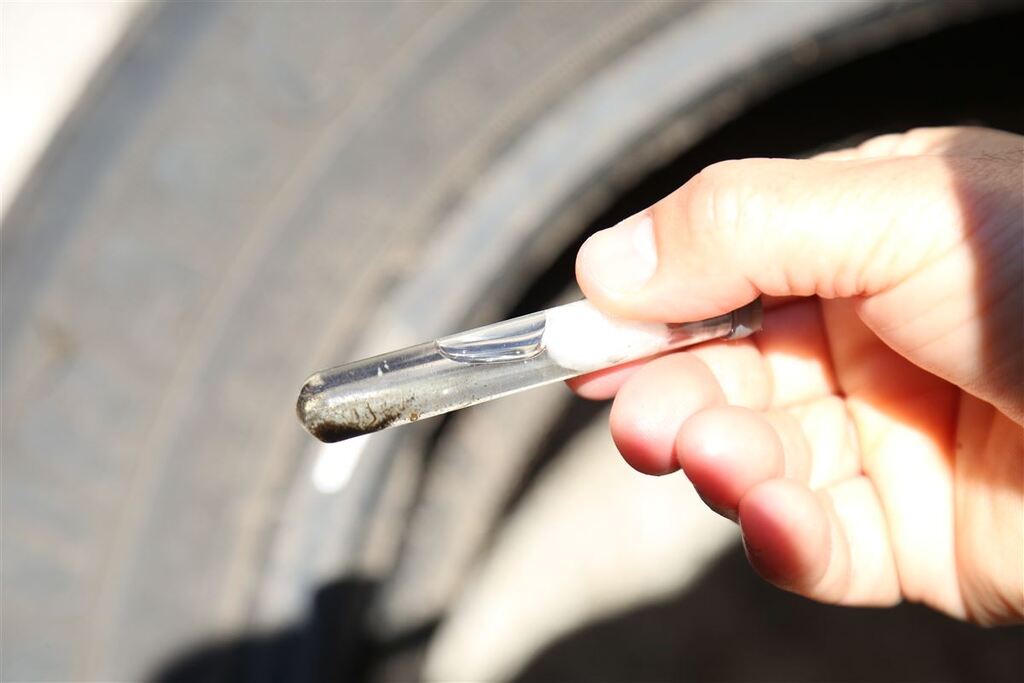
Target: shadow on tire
(731,626)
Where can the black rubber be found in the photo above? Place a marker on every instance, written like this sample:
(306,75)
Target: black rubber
(242,186)
(241,190)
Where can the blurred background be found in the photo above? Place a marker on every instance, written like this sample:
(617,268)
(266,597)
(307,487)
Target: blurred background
(202,203)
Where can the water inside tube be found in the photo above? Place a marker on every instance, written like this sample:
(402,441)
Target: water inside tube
(511,340)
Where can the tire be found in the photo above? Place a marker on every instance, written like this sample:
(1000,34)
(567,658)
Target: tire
(248,193)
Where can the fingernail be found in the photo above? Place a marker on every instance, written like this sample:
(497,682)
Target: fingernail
(621,259)
(731,515)
(753,554)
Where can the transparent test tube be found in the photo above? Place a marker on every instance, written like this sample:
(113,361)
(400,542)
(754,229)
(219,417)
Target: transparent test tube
(493,361)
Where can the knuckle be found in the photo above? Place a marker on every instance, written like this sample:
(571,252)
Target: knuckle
(880,143)
(716,199)
(925,140)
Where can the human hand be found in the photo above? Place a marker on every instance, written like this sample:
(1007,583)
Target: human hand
(869,441)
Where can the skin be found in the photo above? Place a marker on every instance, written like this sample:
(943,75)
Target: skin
(869,440)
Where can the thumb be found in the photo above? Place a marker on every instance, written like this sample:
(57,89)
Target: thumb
(774,226)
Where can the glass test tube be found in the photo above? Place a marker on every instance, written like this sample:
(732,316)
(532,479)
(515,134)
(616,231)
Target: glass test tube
(489,362)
